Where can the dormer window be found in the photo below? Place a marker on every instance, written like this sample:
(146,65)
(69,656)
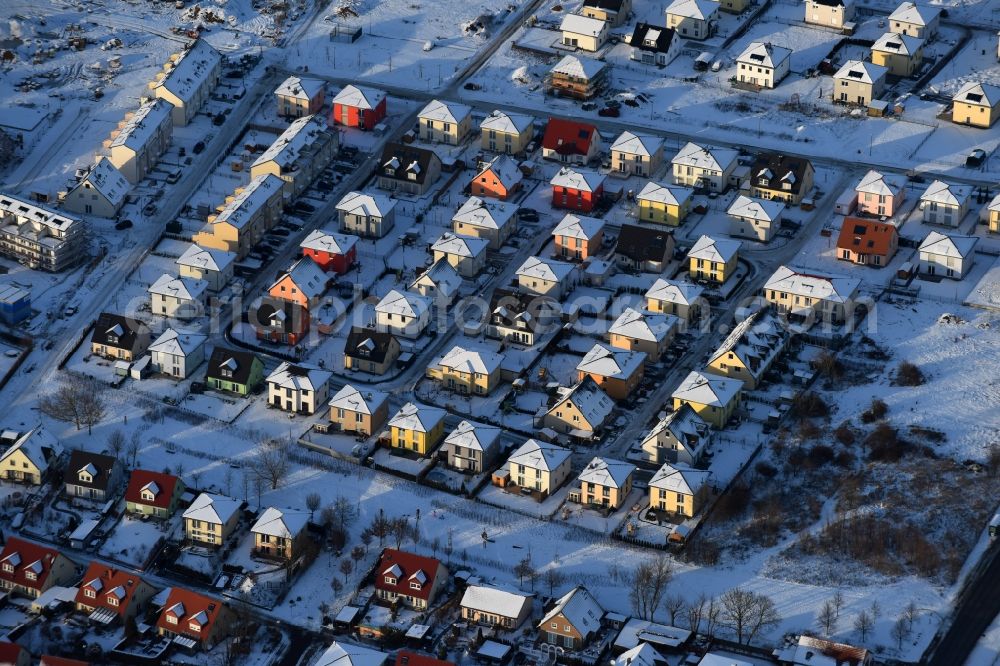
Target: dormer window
(30,575)
(225,372)
(8,567)
(194,626)
(112,339)
(414,585)
(389,580)
(171,619)
(112,600)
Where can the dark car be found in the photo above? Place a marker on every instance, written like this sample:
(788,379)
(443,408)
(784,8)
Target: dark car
(304,207)
(150,209)
(198,147)
(280,232)
(527,214)
(609,112)
(123,225)
(219,119)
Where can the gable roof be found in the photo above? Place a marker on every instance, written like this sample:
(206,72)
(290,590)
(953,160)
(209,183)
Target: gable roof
(653,38)
(949,245)
(38,446)
(162,486)
(403,303)
(763,54)
(142,124)
(685,426)
(188,607)
(293,144)
(828,287)
(550,270)
(323,240)
(980,94)
(642,654)
(946,193)
(593,404)
(672,195)
(507,123)
(611,362)
(282,523)
(679,479)
(348,654)
(644,145)
(504,169)
(98,465)
(125,329)
(648,326)
(674,291)
(307,277)
(718,250)
(417,418)
(540,456)
(514,306)
(754,341)
(707,157)
(460,246)
(247,200)
(579,608)
(478,361)
(108,181)
(640,243)
(892,42)
(606,472)
(776,171)
(707,389)
(25,556)
(582,25)
(299,377)
(302,88)
(752,208)
(578,67)
(861,70)
(875,182)
(696,9)
(569,137)
(352,399)
(449,112)
(485,214)
(106,583)
(238,362)
(183,288)
(404,159)
(812,651)
(867,236)
(359,97)
(188,69)
(583,180)
(406,568)
(364,204)
(211,508)
(474,436)
(206,259)
(177,343)
(494,600)
(442,275)
(909,12)
(578,226)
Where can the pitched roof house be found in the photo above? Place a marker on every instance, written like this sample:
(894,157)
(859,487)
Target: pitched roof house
(101,191)
(781,177)
(577,77)
(763,65)
(915,20)
(111,594)
(353,410)
(579,411)
(466,254)
(636,155)
(663,204)
(704,167)
(358,106)
(440,283)
(645,332)
(693,19)
(617,372)
(750,349)
(348,654)
(500,178)
(280,533)
(713,259)
(683,299)
(203,621)
(880,194)
(214,266)
(537,467)
(614,12)
(494,221)
(813,651)
(331,251)
(416,428)
(757,219)
(154,494)
(577,236)
(901,54)
(570,141)
(118,337)
(800,293)
(234,371)
(867,242)
(177,353)
(303,283)
(680,437)
(945,203)
(30,457)
(976,104)
(546,277)
(366,215)
(211,519)
(713,397)
(29,569)
(653,44)
(606,483)
(92,476)
(178,297)
(468,370)
(573,621)
(679,490)
(519,317)
(412,580)
(947,255)
(408,169)
(644,249)
(858,81)
(505,132)
(577,189)
(298,388)
(583,32)
(472,447)
(403,313)
(495,607)
(830,13)
(445,122)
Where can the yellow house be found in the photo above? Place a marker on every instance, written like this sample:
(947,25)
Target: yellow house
(280,533)
(579,411)
(466,254)
(187,80)
(712,397)
(247,214)
(134,148)
(211,519)
(750,349)
(827,297)
(901,54)
(468,370)
(29,458)
(613,12)
(606,483)
(679,491)
(713,259)
(994,215)
(444,122)
(976,104)
(298,156)
(643,332)
(504,132)
(418,429)
(538,467)
(298,97)
(682,299)
(352,410)
(664,204)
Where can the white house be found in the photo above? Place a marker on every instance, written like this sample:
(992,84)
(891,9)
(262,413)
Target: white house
(944,203)
(179,297)
(653,44)
(403,313)
(439,283)
(947,255)
(215,267)
(100,192)
(756,219)
(298,388)
(583,32)
(693,19)
(177,353)
(763,64)
(705,168)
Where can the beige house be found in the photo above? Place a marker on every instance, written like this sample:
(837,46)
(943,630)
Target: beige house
(976,104)
(829,13)
(297,97)
(573,621)
(683,299)
(494,607)
(100,192)
(680,437)
(280,534)
(30,457)
(859,82)
(920,21)
(503,132)
(679,491)
(134,148)
(614,12)
(756,219)
(466,254)
(211,519)
(187,80)
(366,215)
(807,294)
(300,389)
(487,219)
(177,297)
(763,65)
(546,277)
(579,411)
(902,55)
(693,19)
(367,350)
(119,338)
(298,155)
(644,332)
(213,266)
(471,447)
(247,214)
(445,122)
(468,371)
(538,467)
(704,168)
(606,483)
(363,412)
(440,283)
(993,211)
(636,155)
(750,349)
(583,32)
(945,203)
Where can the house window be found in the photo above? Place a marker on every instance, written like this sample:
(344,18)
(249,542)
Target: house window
(389,580)
(414,585)
(89,593)
(112,600)
(171,619)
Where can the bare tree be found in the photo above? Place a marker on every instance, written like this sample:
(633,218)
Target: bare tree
(838,602)
(553,578)
(876,610)
(400,530)
(337,586)
(133,447)
(911,613)
(346,568)
(713,616)
(695,613)
(357,554)
(366,538)
(649,584)
(827,618)
(524,569)
(343,513)
(272,462)
(763,616)
(435,545)
(863,624)
(748,613)
(674,604)
(380,527)
(900,631)
(116,442)
(78,402)
(313,500)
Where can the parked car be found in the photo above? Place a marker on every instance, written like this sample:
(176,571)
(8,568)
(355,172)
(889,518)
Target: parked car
(123,225)
(304,207)
(198,147)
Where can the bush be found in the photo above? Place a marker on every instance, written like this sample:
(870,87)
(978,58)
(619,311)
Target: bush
(810,405)
(908,374)
(766,469)
(877,411)
(845,459)
(820,455)
(829,366)
(844,434)
(884,444)
(808,430)
(174,227)
(796,457)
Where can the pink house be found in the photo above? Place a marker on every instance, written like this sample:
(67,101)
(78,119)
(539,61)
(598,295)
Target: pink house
(879,194)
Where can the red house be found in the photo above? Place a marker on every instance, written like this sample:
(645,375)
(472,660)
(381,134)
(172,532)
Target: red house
(30,569)
(499,178)
(108,593)
(188,614)
(331,251)
(358,106)
(408,658)
(279,320)
(571,142)
(413,580)
(867,242)
(577,189)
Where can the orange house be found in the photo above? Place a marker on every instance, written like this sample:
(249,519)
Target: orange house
(499,179)
(578,236)
(301,284)
(867,242)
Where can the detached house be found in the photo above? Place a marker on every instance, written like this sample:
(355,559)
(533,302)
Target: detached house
(188,615)
(408,169)
(509,133)
(867,242)
(363,412)
(177,297)
(750,349)
(408,579)
(583,32)
(577,189)
(332,252)
(466,254)
(680,437)
(902,55)
(358,106)
(494,607)
(614,12)
(280,533)
(579,411)
(233,371)
(28,569)
(108,594)
(811,651)
(370,351)
(177,354)
(663,204)
(298,388)
(211,519)
(693,19)
(30,457)
(440,283)
(302,284)
(859,82)
(493,221)
(216,267)
(713,259)
(643,332)
(546,277)
(570,142)
(679,491)
(153,494)
(119,338)
(636,155)
(403,314)
(416,428)
(578,78)
(278,320)
(653,45)
(500,178)
(606,483)
(830,297)
(756,219)
(714,398)
(643,249)
(704,168)
(947,255)
(538,467)
(879,194)
(919,21)
(829,13)
(445,122)
(468,371)
(780,177)
(188,79)
(578,237)
(92,476)
(618,373)
(573,621)
(472,447)
(100,192)
(366,215)
(763,64)
(976,104)
(298,96)
(683,299)
(944,203)
(519,317)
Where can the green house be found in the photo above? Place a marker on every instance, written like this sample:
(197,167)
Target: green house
(238,372)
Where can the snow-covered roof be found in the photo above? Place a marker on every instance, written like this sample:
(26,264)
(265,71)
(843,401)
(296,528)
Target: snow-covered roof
(299,377)
(578,226)
(578,67)
(752,208)
(754,341)
(707,389)
(763,54)
(38,446)
(718,250)
(861,71)
(460,246)
(299,88)
(215,509)
(946,193)
(248,200)
(367,205)
(685,426)
(479,361)
(403,303)
(307,277)
(637,632)
(679,479)
(582,25)
(142,125)
(812,651)
(892,42)
(696,9)
(494,600)
(712,159)
(448,112)
(834,288)
(580,609)
(980,94)
(671,195)
(540,455)
(294,142)
(442,275)
(875,182)
(545,269)
(189,69)
(206,259)
(184,288)
(949,245)
(637,144)
(108,181)
(323,240)
(177,343)
(583,180)
(594,404)
(909,12)
(354,400)
(283,523)
(505,169)
(507,123)
(473,436)
(674,291)
(360,97)
(350,655)
(417,419)
(488,214)
(643,325)
(643,654)
(607,472)
(611,362)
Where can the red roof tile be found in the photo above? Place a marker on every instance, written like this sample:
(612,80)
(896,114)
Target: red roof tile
(568,137)
(141,478)
(48,660)
(407,658)
(406,568)
(24,556)
(187,606)
(107,583)
(9,652)
(866,236)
